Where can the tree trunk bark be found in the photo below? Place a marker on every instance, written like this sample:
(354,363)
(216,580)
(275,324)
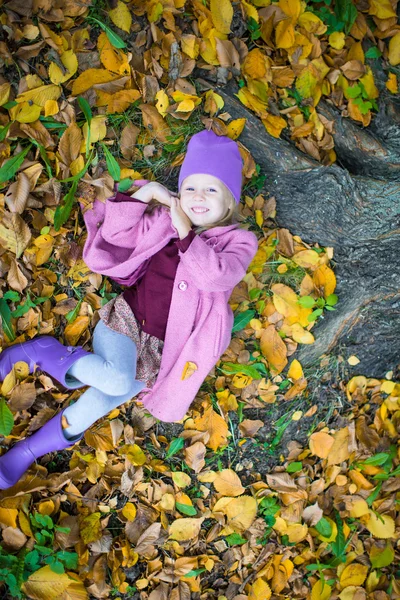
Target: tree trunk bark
(353,206)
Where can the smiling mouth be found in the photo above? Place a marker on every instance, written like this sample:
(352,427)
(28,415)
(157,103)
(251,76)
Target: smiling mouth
(199,210)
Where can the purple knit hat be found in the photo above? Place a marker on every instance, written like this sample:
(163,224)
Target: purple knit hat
(216,155)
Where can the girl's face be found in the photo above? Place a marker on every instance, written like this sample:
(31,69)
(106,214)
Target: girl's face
(203,199)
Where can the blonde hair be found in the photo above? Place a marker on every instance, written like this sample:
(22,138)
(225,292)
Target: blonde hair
(232,217)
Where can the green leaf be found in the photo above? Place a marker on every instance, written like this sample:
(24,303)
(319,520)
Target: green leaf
(185,509)
(125,184)
(294,467)
(384,558)
(242,319)
(32,558)
(195,572)
(373,52)
(57,567)
(235,539)
(230,368)
(174,447)
(43,154)
(377,460)
(254,293)
(85,107)
(70,559)
(306,301)
(9,169)
(353,91)
(339,545)
(12,295)
(112,165)
(332,299)
(72,314)
(6,418)
(315,314)
(324,528)
(4,131)
(5,314)
(116,41)
(63,211)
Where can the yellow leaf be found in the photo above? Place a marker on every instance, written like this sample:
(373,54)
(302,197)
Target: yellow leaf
(353,574)
(307,259)
(391,83)
(98,130)
(235,128)
(274,124)
(284,34)
(240,380)
(70,62)
(134,454)
(254,64)
(321,443)
(215,425)
(91,77)
(296,532)
(50,108)
(222,14)
(260,590)
(324,280)
(369,83)
(188,370)
(129,511)
(291,8)
(4,93)
(295,370)
(181,479)
(241,512)
(387,387)
(40,95)
(296,416)
(185,529)
(358,508)
(394,50)
(321,591)
(25,112)
(9,383)
(340,449)
(301,335)
(8,517)
(274,349)
(112,58)
(121,16)
(74,330)
(227,482)
(162,102)
(382,9)
(46,507)
(121,100)
(90,528)
(353,360)
(312,23)
(45,584)
(382,527)
(21,369)
(337,40)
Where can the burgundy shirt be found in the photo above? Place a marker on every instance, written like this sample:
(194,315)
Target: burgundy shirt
(150,297)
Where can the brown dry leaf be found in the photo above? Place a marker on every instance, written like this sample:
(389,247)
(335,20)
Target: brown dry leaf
(227,483)
(339,451)
(154,123)
(14,233)
(274,349)
(15,278)
(185,529)
(70,143)
(321,443)
(18,193)
(74,330)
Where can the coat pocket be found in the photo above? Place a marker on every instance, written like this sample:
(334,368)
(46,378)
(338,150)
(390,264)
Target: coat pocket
(218,332)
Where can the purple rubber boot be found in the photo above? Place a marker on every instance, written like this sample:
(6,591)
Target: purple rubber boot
(48,438)
(48,354)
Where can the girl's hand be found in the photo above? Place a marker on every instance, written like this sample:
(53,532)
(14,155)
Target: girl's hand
(154,190)
(179,218)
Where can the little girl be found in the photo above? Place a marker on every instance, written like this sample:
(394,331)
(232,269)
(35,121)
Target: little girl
(161,337)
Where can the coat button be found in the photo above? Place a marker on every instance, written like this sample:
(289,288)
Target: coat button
(182,285)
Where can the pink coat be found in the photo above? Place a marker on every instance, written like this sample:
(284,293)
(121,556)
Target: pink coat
(121,239)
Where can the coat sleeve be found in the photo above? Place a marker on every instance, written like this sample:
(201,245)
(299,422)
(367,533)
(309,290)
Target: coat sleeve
(213,271)
(115,229)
